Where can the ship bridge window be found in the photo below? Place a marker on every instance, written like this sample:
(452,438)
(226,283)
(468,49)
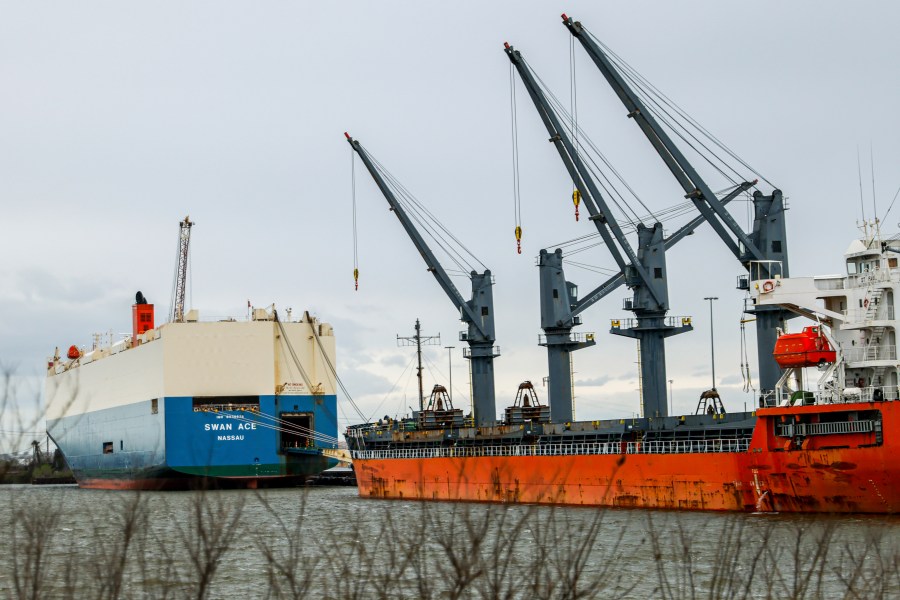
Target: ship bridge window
(227,404)
(851,268)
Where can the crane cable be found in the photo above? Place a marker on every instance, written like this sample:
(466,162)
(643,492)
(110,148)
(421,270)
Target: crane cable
(573,117)
(517,196)
(650,89)
(428,224)
(745,360)
(390,391)
(588,148)
(313,328)
(355,238)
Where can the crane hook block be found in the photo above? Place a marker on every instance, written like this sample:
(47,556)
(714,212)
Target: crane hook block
(518,239)
(355,279)
(576,199)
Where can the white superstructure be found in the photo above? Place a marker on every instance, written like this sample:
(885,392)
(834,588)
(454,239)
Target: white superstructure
(858,307)
(255,357)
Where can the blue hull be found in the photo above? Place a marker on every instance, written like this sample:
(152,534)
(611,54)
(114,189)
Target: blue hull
(181,442)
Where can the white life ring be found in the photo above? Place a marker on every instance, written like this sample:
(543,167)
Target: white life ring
(768,286)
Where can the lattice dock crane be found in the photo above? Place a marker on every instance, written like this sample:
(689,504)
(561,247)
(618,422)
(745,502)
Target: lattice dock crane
(180,286)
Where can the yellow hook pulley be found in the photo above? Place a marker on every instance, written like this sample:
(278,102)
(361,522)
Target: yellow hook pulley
(355,279)
(576,199)
(518,239)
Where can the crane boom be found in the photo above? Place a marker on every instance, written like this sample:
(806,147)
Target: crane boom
(613,283)
(180,287)
(434,266)
(694,186)
(767,242)
(477,313)
(601,215)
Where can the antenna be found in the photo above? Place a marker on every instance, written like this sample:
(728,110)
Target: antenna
(862,206)
(872,166)
(417,341)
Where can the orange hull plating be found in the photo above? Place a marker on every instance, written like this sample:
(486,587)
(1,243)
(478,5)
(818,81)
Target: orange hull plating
(860,477)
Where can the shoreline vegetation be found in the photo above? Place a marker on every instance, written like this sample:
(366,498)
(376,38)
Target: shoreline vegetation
(302,544)
(17,473)
(322,543)
(27,463)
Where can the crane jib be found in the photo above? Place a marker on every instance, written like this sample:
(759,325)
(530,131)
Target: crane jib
(434,266)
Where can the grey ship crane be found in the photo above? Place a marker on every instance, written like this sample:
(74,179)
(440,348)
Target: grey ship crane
(764,247)
(181,266)
(477,313)
(644,271)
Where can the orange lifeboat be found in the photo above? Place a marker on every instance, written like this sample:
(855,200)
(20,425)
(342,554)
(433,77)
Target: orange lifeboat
(808,348)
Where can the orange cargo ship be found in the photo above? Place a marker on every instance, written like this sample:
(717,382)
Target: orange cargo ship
(813,446)
(825,436)
(828,458)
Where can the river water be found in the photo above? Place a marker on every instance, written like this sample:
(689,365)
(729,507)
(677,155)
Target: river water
(62,541)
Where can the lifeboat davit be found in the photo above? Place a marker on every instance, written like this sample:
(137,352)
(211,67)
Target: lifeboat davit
(808,348)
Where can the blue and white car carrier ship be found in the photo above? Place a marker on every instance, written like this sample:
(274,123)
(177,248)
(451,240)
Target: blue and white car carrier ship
(233,403)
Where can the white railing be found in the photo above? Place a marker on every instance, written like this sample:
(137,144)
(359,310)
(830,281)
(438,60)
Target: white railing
(859,353)
(792,429)
(633,323)
(467,352)
(652,447)
(884,393)
(831,283)
(882,313)
(573,337)
(872,394)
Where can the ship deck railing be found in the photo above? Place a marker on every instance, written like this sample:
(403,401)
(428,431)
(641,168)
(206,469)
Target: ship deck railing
(871,352)
(586,449)
(880,393)
(840,427)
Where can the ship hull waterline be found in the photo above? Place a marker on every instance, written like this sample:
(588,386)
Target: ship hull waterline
(760,479)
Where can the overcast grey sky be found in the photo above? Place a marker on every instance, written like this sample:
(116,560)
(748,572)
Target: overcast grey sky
(118,119)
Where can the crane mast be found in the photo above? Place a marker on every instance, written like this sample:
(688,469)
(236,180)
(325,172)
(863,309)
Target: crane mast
(477,313)
(764,247)
(645,272)
(180,287)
